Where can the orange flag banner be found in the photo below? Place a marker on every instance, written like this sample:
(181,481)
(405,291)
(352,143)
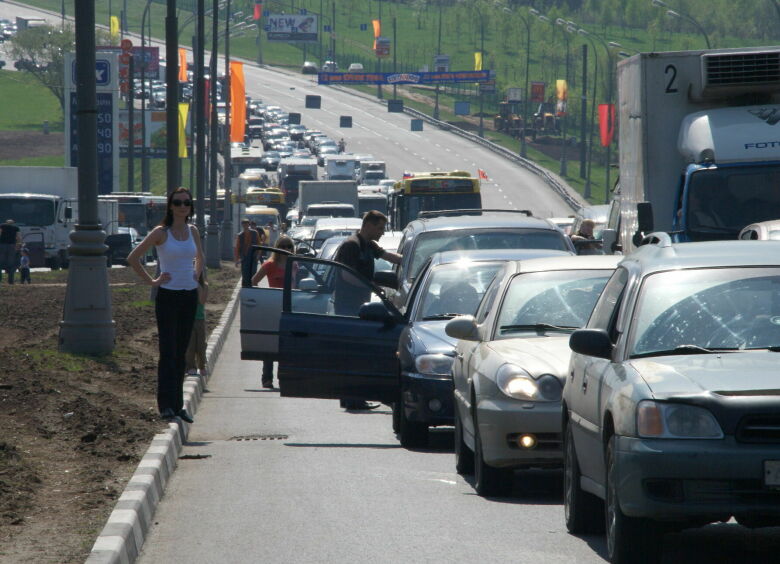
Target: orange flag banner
(182,65)
(377,28)
(237,102)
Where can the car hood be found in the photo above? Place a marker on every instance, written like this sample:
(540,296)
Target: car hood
(544,354)
(429,337)
(694,374)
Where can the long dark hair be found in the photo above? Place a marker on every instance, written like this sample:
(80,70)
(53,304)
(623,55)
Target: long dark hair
(167,221)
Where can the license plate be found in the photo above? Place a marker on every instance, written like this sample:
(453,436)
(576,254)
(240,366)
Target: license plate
(772,473)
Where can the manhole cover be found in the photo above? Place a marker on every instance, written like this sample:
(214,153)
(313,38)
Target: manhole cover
(259,438)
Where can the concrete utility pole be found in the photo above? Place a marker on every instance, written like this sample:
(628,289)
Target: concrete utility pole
(227,220)
(212,234)
(87,326)
(172,96)
(200,122)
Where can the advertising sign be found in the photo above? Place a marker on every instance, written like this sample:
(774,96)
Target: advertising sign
(403,77)
(514,94)
(537,92)
(382,47)
(156,133)
(291,27)
(150,56)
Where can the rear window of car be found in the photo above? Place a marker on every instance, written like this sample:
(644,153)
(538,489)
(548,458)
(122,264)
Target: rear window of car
(471,239)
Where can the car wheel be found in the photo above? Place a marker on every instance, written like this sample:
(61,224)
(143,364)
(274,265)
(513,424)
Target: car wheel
(411,433)
(584,512)
(488,481)
(464,458)
(396,416)
(630,540)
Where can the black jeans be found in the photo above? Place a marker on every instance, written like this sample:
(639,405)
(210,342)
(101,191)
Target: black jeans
(175,312)
(248,268)
(268,372)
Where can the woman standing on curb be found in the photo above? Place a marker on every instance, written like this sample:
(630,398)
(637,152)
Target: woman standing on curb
(181,262)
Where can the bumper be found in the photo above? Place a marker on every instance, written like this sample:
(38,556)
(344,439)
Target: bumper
(694,480)
(423,394)
(503,421)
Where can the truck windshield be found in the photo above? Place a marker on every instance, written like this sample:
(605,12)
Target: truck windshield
(721,201)
(27,211)
(413,205)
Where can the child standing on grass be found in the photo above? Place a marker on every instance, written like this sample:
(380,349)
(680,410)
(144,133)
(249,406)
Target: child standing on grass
(196,351)
(24,266)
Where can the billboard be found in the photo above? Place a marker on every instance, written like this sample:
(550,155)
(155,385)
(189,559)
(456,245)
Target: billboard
(156,133)
(291,27)
(403,77)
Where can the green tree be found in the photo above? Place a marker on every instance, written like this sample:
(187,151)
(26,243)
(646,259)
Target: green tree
(42,52)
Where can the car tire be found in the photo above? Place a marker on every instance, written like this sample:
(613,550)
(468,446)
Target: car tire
(630,540)
(464,457)
(488,481)
(396,416)
(412,434)
(584,512)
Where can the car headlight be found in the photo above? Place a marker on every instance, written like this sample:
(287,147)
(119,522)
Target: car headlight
(516,383)
(675,421)
(434,364)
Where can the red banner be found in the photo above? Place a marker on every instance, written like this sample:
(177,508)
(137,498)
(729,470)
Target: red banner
(258,10)
(537,92)
(237,102)
(607,123)
(207,99)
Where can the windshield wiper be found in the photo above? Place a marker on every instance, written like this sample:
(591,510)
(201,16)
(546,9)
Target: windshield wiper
(441,316)
(684,349)
(537,327)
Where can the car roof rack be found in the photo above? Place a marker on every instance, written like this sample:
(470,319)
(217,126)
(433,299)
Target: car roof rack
(480,211)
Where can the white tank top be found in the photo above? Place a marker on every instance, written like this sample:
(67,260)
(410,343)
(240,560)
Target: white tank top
(177,259)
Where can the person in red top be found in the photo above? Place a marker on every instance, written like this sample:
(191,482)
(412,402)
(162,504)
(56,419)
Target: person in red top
(273,269)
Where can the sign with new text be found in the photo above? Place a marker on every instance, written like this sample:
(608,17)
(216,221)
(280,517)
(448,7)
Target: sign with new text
(291,27)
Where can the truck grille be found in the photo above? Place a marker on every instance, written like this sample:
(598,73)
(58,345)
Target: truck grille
(759,429)
(742,68)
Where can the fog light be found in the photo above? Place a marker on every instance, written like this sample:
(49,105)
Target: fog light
(526,441)
(434,405)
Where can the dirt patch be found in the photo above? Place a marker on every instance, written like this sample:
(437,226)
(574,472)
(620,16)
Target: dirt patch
(15,145)
(74,427)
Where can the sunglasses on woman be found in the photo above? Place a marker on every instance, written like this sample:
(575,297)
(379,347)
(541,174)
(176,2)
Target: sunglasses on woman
(179,203)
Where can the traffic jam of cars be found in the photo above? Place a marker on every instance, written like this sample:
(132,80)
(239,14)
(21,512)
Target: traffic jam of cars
(649,378)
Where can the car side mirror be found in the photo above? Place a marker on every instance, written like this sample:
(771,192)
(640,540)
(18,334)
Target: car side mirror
(644,217)
(375,311)
(609,241)
(68,213)
(308,285)
(386,278)
(463,327)
(591,342)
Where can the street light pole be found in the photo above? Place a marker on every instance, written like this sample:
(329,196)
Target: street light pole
(87,326)
(227,174)
(438,52)
(200,121)
(589,37)
(683,16)
(212,231)
(482,59)
(563,171)
(172,96)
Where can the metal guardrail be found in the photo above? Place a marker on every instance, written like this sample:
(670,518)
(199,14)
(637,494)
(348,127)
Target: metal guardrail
(551,181)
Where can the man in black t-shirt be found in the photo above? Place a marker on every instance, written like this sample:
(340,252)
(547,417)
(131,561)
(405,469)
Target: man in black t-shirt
(359,252)
(10,243)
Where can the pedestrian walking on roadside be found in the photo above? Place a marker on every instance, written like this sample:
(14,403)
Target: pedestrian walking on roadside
(24,266)
(359,252)
(10,243)
(195,357)
(273,269)
(243,253)
(180,258)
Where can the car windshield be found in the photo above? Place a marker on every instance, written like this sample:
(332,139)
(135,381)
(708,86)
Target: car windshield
(463,239)
(323,234)
(263,219)
(548,301)
(455,289)
(27,211)
(712,309)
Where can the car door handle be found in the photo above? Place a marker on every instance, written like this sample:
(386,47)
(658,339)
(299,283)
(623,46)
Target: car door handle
(459,356)
(250,303)
(299,334)
(584,383)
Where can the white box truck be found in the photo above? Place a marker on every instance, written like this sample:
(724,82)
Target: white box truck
(339,167)
(43,201)
(699,144)
(336,194)
(371,172)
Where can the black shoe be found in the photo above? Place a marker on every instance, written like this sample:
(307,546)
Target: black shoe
(268,385)
(186,416)
(167,413)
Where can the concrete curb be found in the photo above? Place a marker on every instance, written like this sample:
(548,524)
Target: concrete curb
(124,533)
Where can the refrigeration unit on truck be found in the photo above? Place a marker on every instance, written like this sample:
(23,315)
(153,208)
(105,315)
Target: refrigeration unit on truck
(43,201)
(339,167)
(699,144)
(371,172)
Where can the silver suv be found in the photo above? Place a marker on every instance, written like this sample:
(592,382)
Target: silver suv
(671,409)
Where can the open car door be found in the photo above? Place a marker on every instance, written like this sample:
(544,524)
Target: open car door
(338,334)
(261,309)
